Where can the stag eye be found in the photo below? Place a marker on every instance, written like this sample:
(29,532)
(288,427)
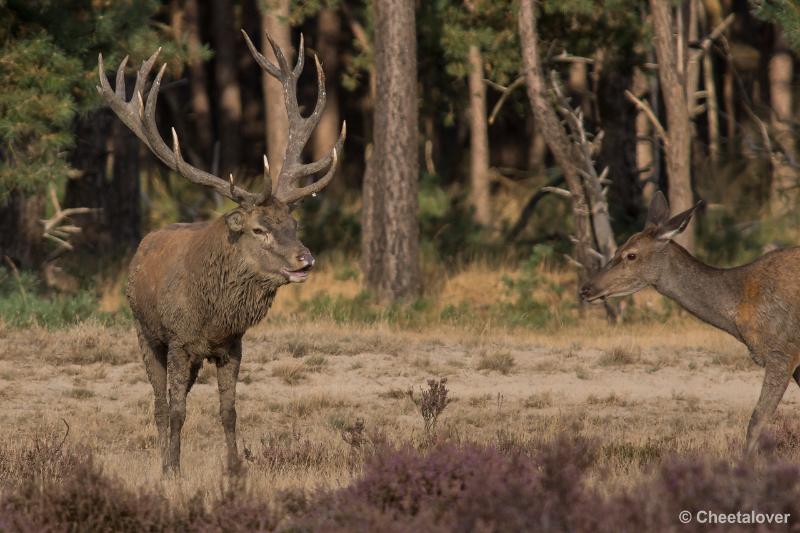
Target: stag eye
(258,231)
(631,256)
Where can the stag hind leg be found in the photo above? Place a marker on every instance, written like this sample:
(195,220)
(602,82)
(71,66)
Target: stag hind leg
(154,355)
(776,378)
(227,376)
(179,375)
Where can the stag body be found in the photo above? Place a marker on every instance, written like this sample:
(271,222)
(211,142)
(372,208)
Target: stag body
(757,303)
(195,289)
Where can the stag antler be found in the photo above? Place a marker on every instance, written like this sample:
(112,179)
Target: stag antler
(300,127)
(140,118)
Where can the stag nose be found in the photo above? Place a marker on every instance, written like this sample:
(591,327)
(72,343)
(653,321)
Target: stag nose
(306,258)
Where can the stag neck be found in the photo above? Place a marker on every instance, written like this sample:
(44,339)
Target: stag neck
(709,293)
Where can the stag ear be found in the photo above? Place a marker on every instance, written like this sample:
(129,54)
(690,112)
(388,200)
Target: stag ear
(674,226)
(659,210)
(235,220)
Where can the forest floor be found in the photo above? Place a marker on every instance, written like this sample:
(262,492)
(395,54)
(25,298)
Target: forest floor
(643,392)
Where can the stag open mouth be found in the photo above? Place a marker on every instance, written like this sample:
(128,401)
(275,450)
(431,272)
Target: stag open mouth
(298,275)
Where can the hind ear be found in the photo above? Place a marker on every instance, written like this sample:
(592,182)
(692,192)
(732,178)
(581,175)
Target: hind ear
(235,220)
(674,226)
(659,210)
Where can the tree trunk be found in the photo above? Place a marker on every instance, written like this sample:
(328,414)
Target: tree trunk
(227,82)
(537,148)
(479,141)
(275,21)
(329,30)
(618,150)
(784,177)
(21,238)
(645,142)
(200,102)
(673,88)
(556,138)
(390,231)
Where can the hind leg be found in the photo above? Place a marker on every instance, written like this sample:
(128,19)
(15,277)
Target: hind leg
(154,355)
(776,378)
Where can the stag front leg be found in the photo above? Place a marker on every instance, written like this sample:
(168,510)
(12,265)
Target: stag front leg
(776,379)
(227,376)
(179,371)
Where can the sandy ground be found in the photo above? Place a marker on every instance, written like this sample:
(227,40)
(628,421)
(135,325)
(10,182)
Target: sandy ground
(676,388)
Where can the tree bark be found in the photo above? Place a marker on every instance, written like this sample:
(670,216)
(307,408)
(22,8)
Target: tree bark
(673,88)
(21,238)
(390,231)
(556,138)
(329,30)
(645,142)
(479,141)
(784,177)
(200,102)
(227,82)
(275,21)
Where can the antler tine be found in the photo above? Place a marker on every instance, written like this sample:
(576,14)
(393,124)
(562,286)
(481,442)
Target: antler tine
(120,81)
(139,117)
(322,96)
(282,63)
(262,61)
(267,192)
(144,72)
(301,58)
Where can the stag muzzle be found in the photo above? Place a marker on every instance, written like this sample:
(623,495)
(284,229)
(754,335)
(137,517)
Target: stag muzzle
(300,274)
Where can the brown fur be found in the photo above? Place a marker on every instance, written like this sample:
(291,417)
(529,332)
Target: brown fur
(758,303)
(194,290)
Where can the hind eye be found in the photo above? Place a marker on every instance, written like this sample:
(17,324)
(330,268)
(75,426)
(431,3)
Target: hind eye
(631,257)
(258,231)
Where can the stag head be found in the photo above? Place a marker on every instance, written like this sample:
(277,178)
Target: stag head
(261,227)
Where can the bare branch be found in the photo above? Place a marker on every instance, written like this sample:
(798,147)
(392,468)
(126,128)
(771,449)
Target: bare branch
(645,108)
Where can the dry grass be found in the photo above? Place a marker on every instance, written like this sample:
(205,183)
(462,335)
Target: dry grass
(643,390)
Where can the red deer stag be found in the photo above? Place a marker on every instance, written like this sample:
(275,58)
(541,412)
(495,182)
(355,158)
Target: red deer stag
(195,289)
(758,303)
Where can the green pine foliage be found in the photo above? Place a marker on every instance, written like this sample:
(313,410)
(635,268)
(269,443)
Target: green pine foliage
(784,13)
(48,74)
(36,112)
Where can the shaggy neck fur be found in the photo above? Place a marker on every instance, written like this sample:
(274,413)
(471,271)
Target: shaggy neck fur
(236,297)
(709,293)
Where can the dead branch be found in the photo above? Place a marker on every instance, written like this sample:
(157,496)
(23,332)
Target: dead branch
(645,108)
(505,93)
(55,228)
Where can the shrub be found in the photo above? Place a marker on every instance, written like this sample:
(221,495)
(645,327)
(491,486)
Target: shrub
(431,403)
(502,362)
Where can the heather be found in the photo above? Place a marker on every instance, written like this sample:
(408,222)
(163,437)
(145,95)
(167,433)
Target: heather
(442,486)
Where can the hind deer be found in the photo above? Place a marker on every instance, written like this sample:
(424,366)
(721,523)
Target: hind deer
(195,289)
(758,303)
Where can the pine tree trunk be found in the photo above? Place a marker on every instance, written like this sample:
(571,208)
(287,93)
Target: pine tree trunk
(673,88)
(274,20)
(784,177)
(227,82)
(21,237)
(479,141)
(200,102)
(645,142)
(328,46)
(390,231)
